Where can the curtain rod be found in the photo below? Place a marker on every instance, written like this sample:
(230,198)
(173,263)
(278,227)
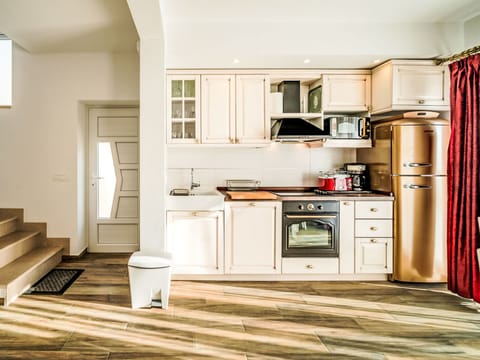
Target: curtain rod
(472,51)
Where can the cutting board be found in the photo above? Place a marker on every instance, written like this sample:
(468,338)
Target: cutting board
(251,195)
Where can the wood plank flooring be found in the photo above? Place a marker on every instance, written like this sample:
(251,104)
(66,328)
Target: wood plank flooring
(239,320)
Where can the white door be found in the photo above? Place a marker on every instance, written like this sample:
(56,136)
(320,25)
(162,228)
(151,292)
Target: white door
(114,180)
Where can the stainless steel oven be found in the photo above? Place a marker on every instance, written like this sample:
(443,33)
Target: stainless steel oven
(310,228)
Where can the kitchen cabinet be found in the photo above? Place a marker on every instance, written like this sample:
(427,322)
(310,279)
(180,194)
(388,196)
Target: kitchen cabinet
(346,93)
(235,109)
(253,237)
(196,241)
(347,237)
(373,237)
(183,109)
(410,85)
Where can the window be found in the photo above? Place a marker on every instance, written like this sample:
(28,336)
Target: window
(5,71)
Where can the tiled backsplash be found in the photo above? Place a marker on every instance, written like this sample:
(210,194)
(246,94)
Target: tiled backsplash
(276,165)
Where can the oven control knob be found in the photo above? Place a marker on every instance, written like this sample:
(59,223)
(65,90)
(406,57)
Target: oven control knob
(301,207)
(310,207)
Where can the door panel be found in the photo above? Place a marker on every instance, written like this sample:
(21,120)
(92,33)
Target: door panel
(420,220)
(114,180)
(420,149)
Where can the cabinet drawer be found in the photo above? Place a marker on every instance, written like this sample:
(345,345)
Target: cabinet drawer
(373,228)
(310,265)
(373,209)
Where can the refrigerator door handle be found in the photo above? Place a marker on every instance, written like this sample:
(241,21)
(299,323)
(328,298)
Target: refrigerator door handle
(417,164)
(415,187)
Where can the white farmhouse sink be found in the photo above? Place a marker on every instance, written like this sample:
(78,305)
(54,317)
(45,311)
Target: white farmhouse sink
(196,200)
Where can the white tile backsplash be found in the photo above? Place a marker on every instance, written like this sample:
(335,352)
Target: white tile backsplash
(276,165)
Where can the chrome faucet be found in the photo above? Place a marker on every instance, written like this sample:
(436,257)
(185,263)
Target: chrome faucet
(193,184)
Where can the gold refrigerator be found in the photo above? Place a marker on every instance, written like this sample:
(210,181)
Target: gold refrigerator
(409,160)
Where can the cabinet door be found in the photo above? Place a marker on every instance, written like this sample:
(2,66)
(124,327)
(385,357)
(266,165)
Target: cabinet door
(252,114)
(346,93)
(420,85)
(183,109)
(253,237)
(347,237)
(373,255)
(218,109)
(195,240)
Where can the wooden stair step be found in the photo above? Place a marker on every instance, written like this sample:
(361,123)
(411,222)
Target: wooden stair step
(8,224)
(25,271)
(16,244)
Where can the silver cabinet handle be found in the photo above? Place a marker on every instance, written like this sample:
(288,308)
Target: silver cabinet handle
(416,187)
(417,164)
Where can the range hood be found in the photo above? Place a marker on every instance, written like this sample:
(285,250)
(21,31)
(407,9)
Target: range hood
(299,130)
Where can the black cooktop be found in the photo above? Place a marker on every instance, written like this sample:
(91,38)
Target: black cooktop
(341,192)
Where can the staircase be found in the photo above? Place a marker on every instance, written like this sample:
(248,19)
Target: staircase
(25,254)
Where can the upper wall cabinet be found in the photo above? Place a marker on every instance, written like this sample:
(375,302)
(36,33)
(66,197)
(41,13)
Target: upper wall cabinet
(183,109)
(346,93)
(235,109)
(410,85)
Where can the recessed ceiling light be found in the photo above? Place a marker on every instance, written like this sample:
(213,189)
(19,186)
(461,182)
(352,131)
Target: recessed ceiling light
(306,61)
(376,61)
(236,61)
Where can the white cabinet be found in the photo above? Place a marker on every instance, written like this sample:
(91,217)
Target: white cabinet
(373,255)
(410,85)
(347,237)
(195,239)
(183,109)
(346,93)
(373,237)
(253,237)
(235,109)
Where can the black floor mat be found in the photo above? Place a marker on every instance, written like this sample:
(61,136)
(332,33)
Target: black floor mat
(55,282)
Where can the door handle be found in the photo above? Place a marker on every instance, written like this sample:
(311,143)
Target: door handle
(416,187)
(417,164)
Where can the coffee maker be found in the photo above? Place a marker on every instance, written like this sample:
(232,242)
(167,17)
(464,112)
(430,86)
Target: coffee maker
(359,174)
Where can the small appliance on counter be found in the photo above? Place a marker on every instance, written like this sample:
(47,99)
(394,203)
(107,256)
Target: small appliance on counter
(359,174)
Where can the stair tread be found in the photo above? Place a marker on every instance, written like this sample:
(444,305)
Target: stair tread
(9,239)
(26,262)
(7,218)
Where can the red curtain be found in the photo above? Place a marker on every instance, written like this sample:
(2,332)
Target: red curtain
(464,179)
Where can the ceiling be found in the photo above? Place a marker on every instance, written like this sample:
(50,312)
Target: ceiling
(260,33)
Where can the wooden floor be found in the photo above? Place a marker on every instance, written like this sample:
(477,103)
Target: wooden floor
(209,320)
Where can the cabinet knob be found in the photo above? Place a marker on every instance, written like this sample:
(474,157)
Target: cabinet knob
(308,266)
(373,209)
(347,203)
(373,241)
(373,228)
(421,102)
(252,204)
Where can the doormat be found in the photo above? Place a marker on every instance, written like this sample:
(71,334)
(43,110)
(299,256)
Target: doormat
(55,282)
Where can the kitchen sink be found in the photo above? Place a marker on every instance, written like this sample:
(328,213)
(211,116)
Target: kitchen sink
(196,200)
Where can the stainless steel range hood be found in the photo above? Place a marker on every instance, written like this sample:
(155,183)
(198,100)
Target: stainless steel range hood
(299,130)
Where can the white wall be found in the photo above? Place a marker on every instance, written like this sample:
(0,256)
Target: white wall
(276,165)
(41,140)
(472,32)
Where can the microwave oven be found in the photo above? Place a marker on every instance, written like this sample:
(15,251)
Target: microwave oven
(347,127)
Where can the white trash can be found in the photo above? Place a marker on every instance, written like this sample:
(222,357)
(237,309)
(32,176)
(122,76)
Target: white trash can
(149,277)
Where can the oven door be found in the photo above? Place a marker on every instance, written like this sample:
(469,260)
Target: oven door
(310,235)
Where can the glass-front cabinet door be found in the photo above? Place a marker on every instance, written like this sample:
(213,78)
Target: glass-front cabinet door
(183,109)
